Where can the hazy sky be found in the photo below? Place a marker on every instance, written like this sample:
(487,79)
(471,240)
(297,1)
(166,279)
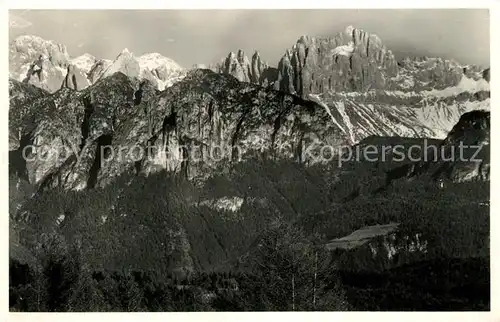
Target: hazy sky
(197,36)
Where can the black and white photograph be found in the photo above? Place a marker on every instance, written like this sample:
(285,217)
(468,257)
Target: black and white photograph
(240,160)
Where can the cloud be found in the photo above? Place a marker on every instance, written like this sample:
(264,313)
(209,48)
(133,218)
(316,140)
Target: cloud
(170,40)
(18,22)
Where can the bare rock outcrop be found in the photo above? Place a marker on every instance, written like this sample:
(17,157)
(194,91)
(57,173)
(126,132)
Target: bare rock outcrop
(353,60)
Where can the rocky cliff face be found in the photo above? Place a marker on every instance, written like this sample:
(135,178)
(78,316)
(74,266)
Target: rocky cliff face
(84,62)
(25,50)
(98,69)
(430,113)
(251,71)
(355,74)
(99,119)
(234,109)
(464,155)
(42,63)
(85,138)
(192,127)
(357,61)
(430,73)
(47,65)
(353,60)
(75,79)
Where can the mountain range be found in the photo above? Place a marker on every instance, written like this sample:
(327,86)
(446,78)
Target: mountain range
(337,91)
(245,164)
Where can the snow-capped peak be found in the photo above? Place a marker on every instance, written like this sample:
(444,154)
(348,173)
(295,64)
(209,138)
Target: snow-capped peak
(345,50)
(466,84)
(53,59)
(87,56)
(125,51)
(30,47)
(160,70)
(152,61)
(84,62)
(126,63)
(35,41)
(349,29)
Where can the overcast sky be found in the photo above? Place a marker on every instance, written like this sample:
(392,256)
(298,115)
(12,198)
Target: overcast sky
(196,36)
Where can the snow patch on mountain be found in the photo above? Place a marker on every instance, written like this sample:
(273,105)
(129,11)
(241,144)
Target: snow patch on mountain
(466,84)
(395,113)
(35,60)
(345,50)
(63,71)
(152,61)
(341,108)
(163,72)
(31,47)
(126,63)
(443,117)
(23,71)
(316,98)
(84,62)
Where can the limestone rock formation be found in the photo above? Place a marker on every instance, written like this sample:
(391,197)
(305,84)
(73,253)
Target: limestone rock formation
(98,69)
(463,156)
(357,61)
(473,161)
(239,66)
(45,64)
(84,62)
(75,79)
(25,50)
(150,101)
(353,60)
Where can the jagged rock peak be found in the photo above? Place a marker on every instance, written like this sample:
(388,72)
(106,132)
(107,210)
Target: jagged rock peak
(152,66)
(98,69)
(160,70)
(241,56)
(349,29)
(31,46)
(126,63)
(259,67)
(253,70)
(84,62)
(236,65)
(153,60)
(351,60)
(37,61)
(125,51)
(75,79)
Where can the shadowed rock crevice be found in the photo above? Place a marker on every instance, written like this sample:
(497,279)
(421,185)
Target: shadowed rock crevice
(208,109)
(102,141)
(17,161)
(138,95)
(85,126)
